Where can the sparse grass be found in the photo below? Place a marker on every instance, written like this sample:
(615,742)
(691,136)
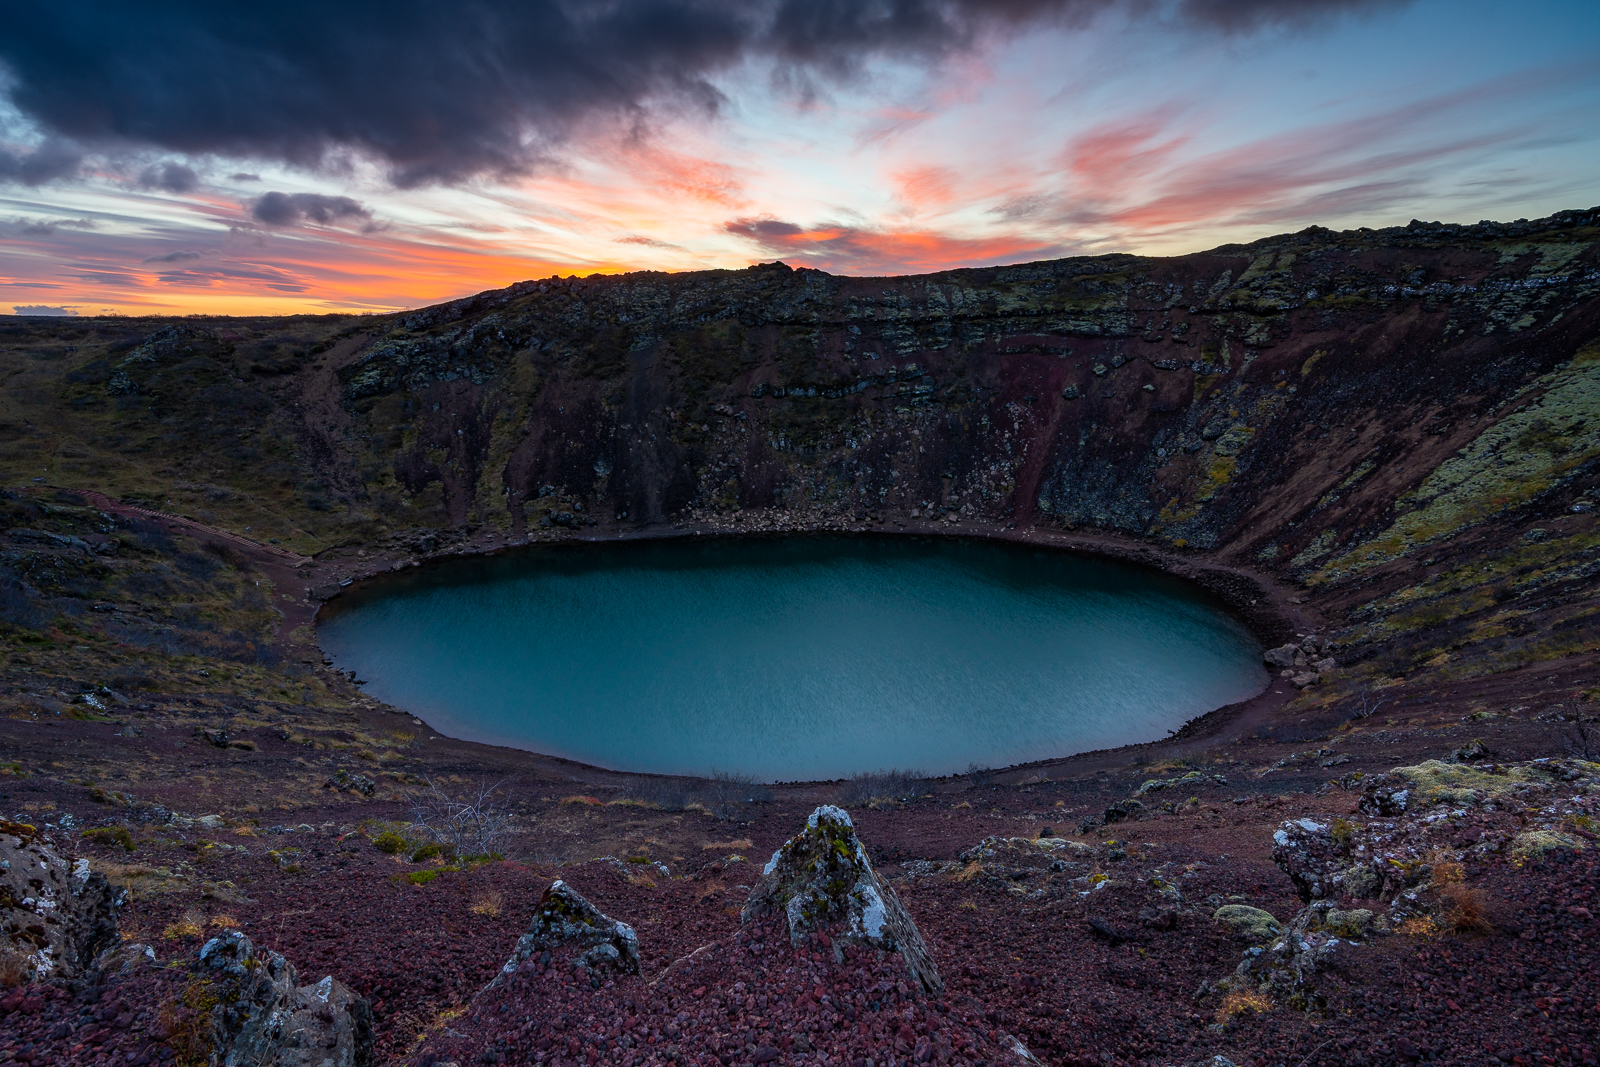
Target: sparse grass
(584,800)
(721,795)
(1446,871)
(187,1021)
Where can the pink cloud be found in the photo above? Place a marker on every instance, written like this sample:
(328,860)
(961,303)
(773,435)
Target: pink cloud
(855,250)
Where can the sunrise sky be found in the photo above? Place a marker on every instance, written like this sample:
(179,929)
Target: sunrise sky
(371,156)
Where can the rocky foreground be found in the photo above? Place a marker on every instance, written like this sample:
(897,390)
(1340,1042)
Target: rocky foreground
(1442,912)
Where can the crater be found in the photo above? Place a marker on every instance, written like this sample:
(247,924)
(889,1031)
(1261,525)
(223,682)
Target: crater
(794,659)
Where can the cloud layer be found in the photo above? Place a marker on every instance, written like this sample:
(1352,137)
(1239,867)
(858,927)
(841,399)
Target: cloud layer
(440,93)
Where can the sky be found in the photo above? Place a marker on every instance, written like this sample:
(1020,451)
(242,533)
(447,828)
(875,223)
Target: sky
(357,155)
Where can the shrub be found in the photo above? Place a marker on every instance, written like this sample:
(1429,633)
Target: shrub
(14,969)
(1242,1002)
(431,851)
(111,835)
(389,843)
(868,790)
(191,925)
(722,794)
(474,825)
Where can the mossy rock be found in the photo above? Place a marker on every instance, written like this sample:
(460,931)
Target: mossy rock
(1247,923)
(1438,782)
(1352,925)
(1361,881)
(1533,845)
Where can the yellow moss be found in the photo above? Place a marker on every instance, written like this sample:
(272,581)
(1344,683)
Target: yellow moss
(1511,462)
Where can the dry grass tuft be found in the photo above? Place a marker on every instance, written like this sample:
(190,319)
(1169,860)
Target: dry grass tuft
(14,969)
(587,801)
(487,904)
(1242,1002)
(738,844)
(191,925)
(1464,911)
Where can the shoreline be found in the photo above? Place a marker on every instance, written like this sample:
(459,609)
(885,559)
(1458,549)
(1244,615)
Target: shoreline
(1272,615)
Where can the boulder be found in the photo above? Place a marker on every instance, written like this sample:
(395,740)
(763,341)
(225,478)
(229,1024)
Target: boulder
(1306,851)
(567,924)
(1123,809)
(55,916)
(1385,795)
(822,882)
(263,1016)
(1247,923)
(1282,656)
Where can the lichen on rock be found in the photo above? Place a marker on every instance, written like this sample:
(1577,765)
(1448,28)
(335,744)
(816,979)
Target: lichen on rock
(55,916)
(563,919)
(263,1016)
(821,881)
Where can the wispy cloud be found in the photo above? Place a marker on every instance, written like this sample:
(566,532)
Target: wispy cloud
(855,250)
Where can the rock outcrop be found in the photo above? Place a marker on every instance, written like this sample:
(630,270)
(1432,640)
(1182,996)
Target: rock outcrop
(56,916)
(822,882)
(263,1016)
(567,924)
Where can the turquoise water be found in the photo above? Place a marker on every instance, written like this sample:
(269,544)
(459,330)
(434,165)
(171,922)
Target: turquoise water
(794,659)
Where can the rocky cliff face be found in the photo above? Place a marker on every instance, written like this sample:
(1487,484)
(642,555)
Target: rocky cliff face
(1402,419)
(1261,396)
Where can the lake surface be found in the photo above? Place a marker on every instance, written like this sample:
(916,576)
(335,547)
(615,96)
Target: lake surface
(794,659)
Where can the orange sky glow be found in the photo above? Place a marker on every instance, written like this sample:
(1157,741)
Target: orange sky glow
(1058,142)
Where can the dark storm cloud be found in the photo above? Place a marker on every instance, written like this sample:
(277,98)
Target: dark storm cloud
(173,177)
(49,162)
(44,309)
(292,209)
(172,257)
(442,92)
